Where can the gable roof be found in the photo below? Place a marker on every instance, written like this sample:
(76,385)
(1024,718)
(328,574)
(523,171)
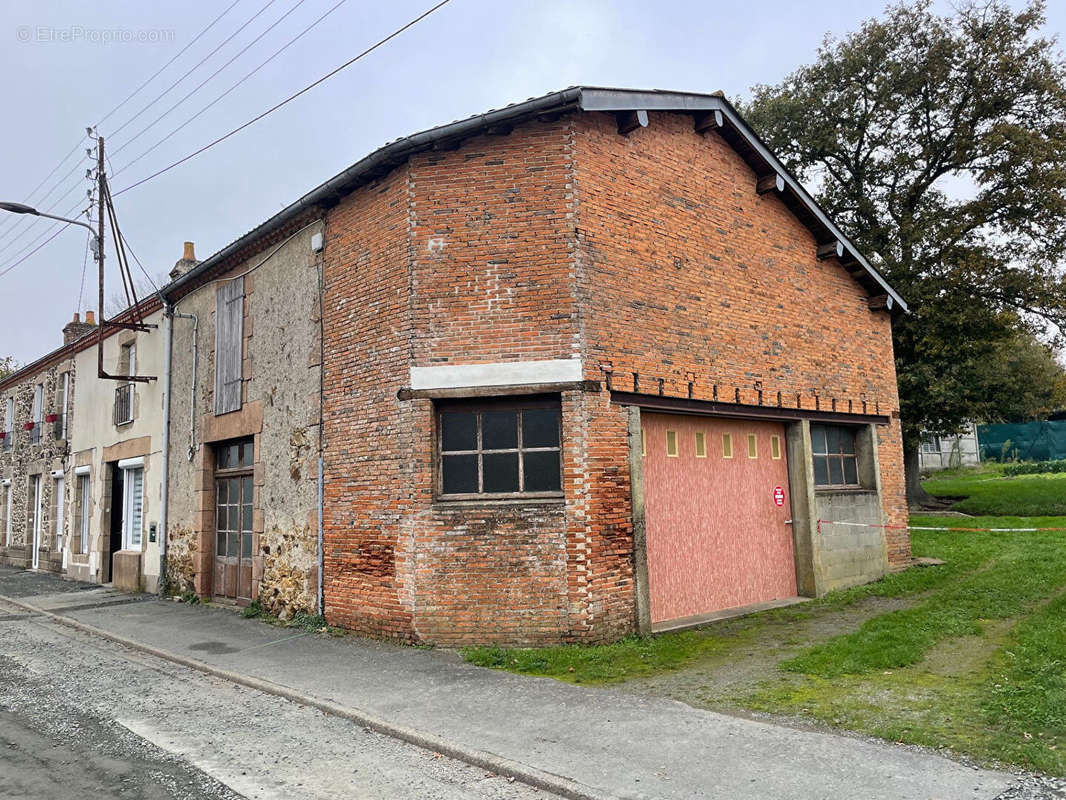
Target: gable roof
(712,111)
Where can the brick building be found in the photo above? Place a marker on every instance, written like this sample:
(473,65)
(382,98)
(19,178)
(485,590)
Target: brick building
(596,363)
(590,364)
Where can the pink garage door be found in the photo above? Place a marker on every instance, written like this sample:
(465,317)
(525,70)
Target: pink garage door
(716,537)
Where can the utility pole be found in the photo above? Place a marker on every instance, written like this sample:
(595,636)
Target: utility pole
(100,253)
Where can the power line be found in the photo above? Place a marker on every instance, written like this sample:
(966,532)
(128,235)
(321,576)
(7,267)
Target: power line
(210,77)
(84,267)
(5,227)
(55,169)
(276,53)
(36,219)
(178,55)
(196,66)
(8,269)
(288,99)
(40,236)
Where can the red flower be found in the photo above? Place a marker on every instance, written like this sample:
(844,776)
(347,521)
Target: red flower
(28,426)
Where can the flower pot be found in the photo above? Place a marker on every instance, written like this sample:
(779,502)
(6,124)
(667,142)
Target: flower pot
(28,426)
(51,418)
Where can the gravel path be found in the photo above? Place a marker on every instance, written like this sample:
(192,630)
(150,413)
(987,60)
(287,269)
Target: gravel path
(82,718)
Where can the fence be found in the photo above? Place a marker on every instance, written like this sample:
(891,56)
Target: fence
(1028,441)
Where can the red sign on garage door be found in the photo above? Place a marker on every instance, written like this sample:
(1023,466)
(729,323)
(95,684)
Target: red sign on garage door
(779,496)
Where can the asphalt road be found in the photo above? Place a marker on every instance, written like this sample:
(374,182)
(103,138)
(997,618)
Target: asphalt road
(83,718)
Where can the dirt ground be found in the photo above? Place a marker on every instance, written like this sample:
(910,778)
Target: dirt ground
(717,681)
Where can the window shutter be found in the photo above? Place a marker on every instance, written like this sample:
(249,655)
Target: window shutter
(229,330)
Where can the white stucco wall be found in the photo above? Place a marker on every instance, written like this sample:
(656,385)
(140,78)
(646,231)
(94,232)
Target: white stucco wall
(98,442)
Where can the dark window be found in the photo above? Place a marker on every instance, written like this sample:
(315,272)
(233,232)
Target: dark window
(500,448)
(835,464)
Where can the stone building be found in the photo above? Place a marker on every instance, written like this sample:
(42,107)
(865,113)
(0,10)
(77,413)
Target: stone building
(242,513)
(36,403)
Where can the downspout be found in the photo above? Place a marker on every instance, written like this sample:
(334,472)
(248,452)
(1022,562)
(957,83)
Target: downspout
(168,337)
(321,399)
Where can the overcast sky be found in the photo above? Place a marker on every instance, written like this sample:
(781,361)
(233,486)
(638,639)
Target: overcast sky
(472,55)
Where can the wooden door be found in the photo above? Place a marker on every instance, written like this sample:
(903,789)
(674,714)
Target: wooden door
(233,523)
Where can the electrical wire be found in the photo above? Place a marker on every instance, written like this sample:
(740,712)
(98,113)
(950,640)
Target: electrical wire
(196,66)
(178,55)
(36,219)
(274,55)
(84,269)
(8,269)
(206,80)
(288,99)
(5,227)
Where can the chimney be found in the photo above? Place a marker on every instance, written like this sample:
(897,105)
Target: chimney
(75,329)
(185,263)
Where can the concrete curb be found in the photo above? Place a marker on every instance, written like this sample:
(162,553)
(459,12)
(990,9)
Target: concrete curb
(557,784)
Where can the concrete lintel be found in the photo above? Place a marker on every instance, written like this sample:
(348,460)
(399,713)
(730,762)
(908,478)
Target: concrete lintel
(509,373)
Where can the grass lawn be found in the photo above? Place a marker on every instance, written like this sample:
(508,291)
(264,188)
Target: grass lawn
(987,491)
(970,655)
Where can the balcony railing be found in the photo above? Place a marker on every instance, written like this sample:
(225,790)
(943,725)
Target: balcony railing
(59,427)
(35,433)
(7,441)
(124,404)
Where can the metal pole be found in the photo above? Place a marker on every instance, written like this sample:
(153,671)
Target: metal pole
(100,254)
(168,335)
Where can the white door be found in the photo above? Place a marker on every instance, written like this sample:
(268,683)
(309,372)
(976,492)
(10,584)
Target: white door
(132,504)
(36,519)
(7,515)
(59,513)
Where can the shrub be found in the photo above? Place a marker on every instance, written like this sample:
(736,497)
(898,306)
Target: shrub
(1035,467)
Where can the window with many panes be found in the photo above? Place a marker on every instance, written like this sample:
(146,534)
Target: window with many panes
(835,462)
(499,449)
(234,463)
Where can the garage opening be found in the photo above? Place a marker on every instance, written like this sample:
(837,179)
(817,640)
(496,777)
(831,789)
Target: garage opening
(717,526)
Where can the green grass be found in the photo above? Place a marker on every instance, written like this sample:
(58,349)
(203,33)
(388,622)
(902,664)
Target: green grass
(601,664)
(1025,695)
(988,492)
(976,663)
(1007,573)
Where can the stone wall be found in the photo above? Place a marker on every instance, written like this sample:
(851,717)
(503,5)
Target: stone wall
(279,411)
(27,458)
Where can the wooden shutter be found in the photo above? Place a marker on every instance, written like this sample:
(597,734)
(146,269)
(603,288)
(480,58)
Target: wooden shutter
(229,335)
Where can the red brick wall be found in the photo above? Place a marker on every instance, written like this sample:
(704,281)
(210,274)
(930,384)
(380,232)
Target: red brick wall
(368,432)
(688,275)
(650,253)
(458,256)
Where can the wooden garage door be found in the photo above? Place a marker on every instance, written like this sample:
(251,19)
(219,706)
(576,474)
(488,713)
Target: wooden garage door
(716,538)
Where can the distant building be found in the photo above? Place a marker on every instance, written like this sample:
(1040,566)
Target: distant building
(959,450)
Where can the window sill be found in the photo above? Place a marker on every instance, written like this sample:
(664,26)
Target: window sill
(493,502)
(843,490)
(124,424)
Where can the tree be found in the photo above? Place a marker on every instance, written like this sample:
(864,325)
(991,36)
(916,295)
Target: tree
(8,365)
(939,143)
(1025,381)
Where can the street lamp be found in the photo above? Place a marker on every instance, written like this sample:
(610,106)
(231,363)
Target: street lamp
(21,208)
